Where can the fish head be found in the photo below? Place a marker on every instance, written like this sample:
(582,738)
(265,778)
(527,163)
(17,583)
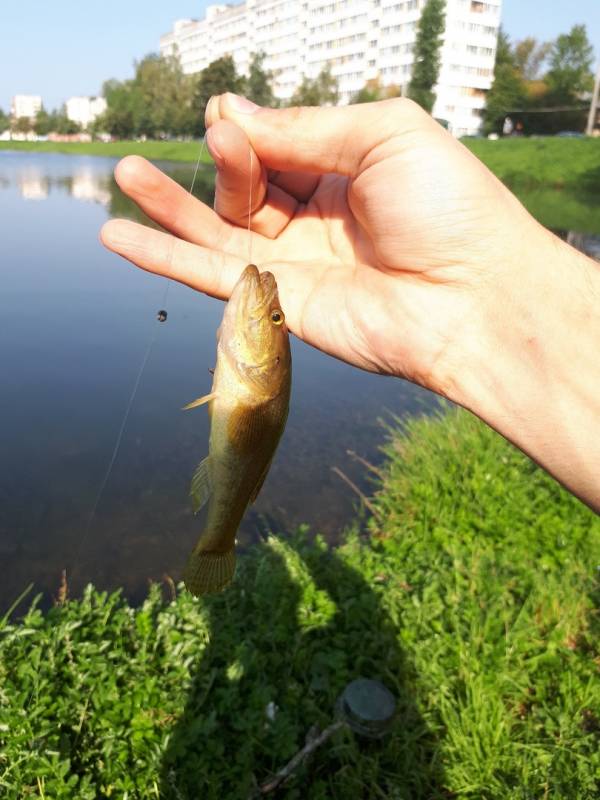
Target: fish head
(253,334)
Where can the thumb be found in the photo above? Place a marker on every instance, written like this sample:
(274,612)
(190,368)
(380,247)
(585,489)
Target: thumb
(318,139)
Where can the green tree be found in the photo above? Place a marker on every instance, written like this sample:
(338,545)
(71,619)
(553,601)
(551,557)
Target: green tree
(123,107)
(4,121)
(257,86)
(373,91)
(427,53)
(319,91)
(22,125)
(156,102)
(570,62)
(162,97)
(508,89)
(220,76)
(529,55)
(62,124)
(43,122)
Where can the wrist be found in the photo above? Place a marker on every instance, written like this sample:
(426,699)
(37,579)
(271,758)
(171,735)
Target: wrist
(531,365)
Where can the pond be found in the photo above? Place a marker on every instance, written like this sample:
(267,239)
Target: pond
(76,322)
(75,326)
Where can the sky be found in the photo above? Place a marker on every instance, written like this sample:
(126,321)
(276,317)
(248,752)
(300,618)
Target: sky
(69,47)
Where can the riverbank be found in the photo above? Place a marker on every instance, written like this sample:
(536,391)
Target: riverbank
(552,162)
(154,151)
(469,592)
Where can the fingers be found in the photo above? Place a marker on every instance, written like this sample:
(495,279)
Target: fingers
(318,140)
(210,271)
(166,202)
(242,194)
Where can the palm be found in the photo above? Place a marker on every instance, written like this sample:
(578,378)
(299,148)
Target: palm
(370,269)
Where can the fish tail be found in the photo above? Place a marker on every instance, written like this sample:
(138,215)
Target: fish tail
(207,572)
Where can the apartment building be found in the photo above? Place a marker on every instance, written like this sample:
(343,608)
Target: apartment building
(84,110)
(25,105)
(361,40)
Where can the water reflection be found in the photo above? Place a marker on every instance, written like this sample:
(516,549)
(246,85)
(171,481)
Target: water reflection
(89,184)
(33,184)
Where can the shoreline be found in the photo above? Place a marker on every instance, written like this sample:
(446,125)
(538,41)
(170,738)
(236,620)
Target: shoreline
(521,163)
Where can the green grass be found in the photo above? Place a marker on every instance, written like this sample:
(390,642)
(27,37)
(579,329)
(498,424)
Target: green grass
(472,594)
(155,151)
(549,162)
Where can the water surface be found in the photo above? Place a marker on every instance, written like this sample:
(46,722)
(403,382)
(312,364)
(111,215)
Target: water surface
(76,321)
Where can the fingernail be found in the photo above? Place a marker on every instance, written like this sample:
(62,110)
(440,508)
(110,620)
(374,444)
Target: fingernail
(214,151)
(242,104)
(207,110)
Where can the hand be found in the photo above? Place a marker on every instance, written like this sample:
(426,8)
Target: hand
(397,251)
(381,229)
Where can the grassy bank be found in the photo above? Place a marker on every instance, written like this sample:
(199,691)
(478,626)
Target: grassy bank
(155,151)
(471,597)
(522,163)
(550,162)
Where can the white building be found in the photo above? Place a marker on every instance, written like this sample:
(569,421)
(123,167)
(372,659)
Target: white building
(84,110)
(25,105)
(361,40)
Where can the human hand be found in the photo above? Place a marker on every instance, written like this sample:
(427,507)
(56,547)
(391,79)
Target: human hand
(386,236)
(397,251)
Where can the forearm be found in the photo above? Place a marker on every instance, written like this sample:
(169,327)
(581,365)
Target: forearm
(534,372)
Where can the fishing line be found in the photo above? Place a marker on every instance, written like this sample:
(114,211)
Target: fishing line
(250,210)
(161,317)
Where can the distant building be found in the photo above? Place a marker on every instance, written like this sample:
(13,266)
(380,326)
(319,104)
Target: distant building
(25,105)
(84,110)
(361,40)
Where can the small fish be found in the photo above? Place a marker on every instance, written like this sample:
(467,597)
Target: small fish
(248,407)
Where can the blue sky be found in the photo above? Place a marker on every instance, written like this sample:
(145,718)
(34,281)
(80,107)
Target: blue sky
(61,48)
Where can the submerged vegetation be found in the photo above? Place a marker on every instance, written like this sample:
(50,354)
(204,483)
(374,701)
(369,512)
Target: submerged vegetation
(471,593)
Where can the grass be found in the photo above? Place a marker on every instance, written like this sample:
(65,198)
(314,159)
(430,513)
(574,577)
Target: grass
(550,162)
(563,210)
(155,151)
(472,593)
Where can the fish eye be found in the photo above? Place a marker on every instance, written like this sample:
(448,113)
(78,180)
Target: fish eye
(277,316)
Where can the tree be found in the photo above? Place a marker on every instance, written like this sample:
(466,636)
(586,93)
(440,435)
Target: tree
(162,97)
(220,76)
(319,91)
(22,125)
(427,53)
(257,86)
(570,61)
(373,91)
(4,121)
(123,102)
(529,55)
(43,122)
(62,124)
(508,89)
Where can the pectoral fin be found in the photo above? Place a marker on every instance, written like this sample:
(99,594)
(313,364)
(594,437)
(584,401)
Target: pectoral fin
(260,483)
(200,401)
(201,487)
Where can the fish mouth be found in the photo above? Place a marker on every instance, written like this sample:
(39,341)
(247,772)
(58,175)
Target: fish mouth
(252,297)
(254,292)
